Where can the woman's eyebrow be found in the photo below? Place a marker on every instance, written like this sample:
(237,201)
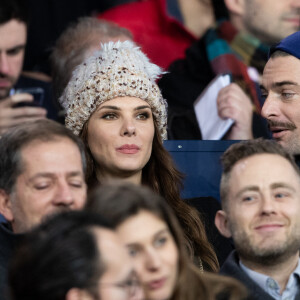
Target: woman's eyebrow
(142,107)
(162,231)
(109,107)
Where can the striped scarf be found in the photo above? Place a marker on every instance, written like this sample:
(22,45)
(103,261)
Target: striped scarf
(232,52)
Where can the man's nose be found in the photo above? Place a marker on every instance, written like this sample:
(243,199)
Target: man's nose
(270,108)
(4,63)
(268,205)
(64,194)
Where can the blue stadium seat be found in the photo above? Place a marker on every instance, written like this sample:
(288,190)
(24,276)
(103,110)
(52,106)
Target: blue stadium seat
(200,162)
(2,220)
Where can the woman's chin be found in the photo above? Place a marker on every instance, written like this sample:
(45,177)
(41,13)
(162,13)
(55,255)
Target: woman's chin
(126,172)
(159,295)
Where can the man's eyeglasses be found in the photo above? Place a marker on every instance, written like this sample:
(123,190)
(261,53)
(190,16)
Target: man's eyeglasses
(130,285)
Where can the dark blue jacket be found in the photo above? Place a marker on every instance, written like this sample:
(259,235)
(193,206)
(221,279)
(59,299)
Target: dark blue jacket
(232,268)
(8,242)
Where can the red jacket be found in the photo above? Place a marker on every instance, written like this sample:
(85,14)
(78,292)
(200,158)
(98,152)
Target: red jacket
(160,36)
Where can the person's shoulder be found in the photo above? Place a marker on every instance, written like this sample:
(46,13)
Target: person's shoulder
(7,242)
(231,268)
(297,297)
(193,71)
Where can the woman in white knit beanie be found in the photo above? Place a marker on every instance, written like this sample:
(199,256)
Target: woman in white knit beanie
(114,104)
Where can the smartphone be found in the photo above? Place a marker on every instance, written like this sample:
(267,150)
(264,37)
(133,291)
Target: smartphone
(37,93)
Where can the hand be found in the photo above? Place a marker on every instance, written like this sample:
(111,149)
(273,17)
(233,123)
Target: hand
(11,116)
(233,103)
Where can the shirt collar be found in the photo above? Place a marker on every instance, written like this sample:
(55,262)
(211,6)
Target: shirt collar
(259,278)
(263,281)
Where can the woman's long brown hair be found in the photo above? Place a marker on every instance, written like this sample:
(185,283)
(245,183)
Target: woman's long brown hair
(119,201)
(161,175)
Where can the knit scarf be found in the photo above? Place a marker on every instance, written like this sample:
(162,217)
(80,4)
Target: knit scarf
(230,51)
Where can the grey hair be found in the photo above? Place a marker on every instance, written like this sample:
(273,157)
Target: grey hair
(75,42)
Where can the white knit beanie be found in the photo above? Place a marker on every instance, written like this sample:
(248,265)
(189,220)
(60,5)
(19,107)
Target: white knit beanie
(117,70)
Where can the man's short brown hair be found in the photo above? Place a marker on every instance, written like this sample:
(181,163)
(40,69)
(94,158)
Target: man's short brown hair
(242,150)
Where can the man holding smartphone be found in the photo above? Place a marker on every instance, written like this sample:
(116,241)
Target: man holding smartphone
(13,36)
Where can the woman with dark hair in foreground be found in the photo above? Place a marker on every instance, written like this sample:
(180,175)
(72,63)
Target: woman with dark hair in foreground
(155,241)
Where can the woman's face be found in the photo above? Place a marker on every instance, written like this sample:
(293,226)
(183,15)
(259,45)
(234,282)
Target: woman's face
(154,253)
(120,135)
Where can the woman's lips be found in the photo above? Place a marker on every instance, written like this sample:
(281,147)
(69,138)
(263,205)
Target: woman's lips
(156,284)
(128,149)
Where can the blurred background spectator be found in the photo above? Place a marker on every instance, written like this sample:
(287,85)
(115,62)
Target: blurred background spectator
(48,19)
(165,28)
(78,41)
(238,46)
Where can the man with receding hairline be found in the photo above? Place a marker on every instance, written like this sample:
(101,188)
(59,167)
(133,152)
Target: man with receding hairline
(42,172)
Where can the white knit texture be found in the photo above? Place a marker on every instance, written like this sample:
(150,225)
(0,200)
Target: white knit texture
(117,70)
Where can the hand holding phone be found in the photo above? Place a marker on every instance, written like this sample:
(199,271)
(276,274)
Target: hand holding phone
(36,92)
(21,107)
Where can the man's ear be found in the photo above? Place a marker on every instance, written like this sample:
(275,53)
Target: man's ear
(5,206)
(78,294)
(236,6)
(221,222)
